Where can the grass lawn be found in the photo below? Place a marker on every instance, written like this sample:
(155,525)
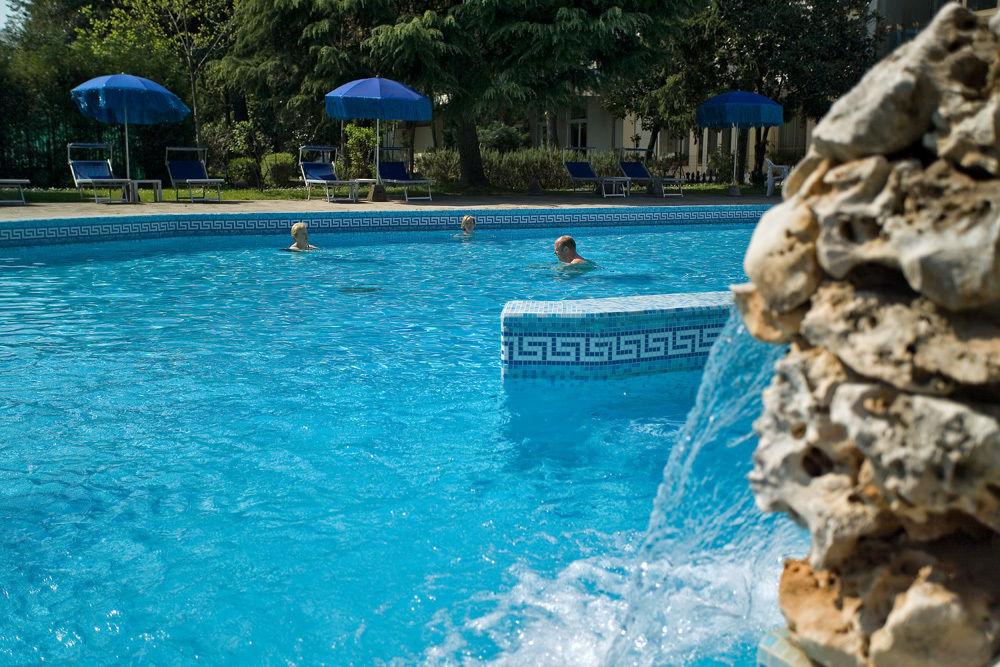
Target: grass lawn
(49,195)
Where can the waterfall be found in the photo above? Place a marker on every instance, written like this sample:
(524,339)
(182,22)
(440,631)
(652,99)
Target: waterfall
(704,584)
(699,587)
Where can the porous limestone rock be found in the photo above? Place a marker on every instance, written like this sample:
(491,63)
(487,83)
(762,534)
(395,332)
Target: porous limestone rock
(930,456)
(781,259)
(904,339)
(880,431)
(763,323)
(806,466)
(891,108)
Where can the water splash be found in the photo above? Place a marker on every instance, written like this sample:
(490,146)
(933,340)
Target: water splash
(705,583)
(698,587)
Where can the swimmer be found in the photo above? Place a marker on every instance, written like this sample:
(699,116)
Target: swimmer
(468,225)
(565,249)
(301,235)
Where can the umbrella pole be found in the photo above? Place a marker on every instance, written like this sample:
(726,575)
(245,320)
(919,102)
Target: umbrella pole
(128,170)
(378,139)
(736,152)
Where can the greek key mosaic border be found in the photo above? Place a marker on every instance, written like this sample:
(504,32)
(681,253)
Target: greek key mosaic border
(89,230)
(602,338)
(596,349)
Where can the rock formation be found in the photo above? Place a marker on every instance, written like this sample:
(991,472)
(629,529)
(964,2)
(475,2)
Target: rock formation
(881,428)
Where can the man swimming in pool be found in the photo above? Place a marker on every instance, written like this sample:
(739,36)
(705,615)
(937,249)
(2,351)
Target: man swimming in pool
(468,225)
(301,235)
(565,248)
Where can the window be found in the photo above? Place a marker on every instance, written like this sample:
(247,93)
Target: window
(578,127)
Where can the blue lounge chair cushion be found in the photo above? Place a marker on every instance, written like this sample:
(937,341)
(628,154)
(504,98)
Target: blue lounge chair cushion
(393,171)
(318,171)
(91,170)
(186,170)
(581,171)
(636,171)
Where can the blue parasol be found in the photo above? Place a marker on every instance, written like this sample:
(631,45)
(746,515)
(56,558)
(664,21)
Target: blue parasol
(739,109)
(123,98)
(379,99)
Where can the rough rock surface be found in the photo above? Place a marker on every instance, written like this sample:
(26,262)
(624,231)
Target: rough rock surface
(881,429)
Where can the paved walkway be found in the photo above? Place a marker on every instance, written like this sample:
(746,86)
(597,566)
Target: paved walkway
(442,202)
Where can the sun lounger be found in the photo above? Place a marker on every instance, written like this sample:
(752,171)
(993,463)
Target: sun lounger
(14,184)
(776,175)
(186,167)
(639,175)
(323,173)
(97,174)
(394,173)
(611,186)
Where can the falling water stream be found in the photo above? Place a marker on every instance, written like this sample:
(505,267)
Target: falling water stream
(700,586)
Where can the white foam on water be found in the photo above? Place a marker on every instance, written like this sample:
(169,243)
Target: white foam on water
(698,587)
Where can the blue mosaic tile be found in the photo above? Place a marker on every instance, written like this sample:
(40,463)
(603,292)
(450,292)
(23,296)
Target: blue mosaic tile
(615,336)
(777,650)
(87,230)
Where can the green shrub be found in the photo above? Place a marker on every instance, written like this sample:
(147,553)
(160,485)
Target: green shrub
(502,138)
(278,169)
(517,170)
(440,164)
(243,171)
(361,143)
(721,162)
(668,165)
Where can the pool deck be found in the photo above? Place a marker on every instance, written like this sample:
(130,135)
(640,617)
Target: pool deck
(82,209)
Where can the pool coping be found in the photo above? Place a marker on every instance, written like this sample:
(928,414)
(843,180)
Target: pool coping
(47,231)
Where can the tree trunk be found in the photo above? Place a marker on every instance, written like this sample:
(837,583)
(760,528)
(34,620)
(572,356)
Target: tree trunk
(240,111)
(654,133)
(551,129)
(760,149)
(469,156)
(194,108)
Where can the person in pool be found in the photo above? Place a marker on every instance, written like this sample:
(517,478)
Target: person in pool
(301,235)
(468,225)
(565,248)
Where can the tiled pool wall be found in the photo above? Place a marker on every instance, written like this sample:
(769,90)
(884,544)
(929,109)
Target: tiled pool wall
(604,338)
(132,227)
(777,650)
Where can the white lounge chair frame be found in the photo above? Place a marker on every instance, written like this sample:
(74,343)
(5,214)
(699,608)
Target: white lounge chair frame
(111,184)
(14,183)
(621,186)
(408,183)
(663,183)
(776,175)
(327,155)
(201,155)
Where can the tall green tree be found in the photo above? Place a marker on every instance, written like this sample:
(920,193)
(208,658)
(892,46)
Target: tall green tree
(161,36)
(37,115)
(481,58)
(801,53)
(474,57)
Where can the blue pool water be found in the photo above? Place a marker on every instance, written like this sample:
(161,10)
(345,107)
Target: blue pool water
(211,449)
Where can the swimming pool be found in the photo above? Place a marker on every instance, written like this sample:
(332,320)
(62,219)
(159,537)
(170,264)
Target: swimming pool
(215,450)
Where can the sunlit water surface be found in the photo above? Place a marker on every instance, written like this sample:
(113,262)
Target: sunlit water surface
(212,449)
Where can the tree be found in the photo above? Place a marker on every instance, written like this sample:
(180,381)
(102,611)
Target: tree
(682,70)
(163,35)
(493,56)
(473,57)
(801,53)
(38,115)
